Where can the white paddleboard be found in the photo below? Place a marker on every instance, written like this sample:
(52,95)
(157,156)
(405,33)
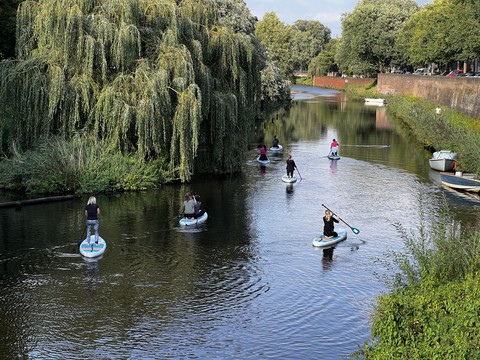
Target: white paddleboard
(93,250)
(323,241)
(287,180)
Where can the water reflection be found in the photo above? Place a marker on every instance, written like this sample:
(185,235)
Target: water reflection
(251,269)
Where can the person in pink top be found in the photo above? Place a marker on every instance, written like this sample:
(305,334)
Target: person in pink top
(334,147)
(263,153)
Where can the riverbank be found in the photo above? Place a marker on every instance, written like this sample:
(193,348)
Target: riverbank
(448,129)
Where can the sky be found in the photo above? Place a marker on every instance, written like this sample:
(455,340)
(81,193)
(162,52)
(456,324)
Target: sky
(328,12)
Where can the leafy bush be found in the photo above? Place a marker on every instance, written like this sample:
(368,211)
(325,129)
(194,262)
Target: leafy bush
(81,165)
(434,309)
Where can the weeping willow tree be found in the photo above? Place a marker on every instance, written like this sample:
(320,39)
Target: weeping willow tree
(159,78)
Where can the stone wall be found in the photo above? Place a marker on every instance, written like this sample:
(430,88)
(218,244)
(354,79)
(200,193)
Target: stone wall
(340,82)
(459,93)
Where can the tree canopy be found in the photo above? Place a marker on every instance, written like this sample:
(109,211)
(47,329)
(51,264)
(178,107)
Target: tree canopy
(441,32)
(163,79)
(369,35)
(292,46)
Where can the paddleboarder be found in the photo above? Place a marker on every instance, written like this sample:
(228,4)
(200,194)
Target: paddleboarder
(328,224)
(92,210)
(334,147)
(290,166)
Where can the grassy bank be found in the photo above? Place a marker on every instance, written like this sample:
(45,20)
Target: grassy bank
(433,310)
(82,165)
(451,130)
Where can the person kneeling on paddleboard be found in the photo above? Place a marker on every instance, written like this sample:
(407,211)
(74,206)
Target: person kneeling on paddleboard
(328,224)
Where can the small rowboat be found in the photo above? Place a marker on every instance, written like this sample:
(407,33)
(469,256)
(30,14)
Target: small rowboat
(333,157)
(263,162)
(323,241)
(92,249)
(285,179)
(461,181)
(277,149)
(197,221)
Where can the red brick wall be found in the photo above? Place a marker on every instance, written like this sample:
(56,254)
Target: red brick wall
(460,93)
(339,82)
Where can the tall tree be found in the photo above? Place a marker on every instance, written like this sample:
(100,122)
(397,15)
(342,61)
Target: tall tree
(441,32)
(324,62)
(162,79)
(278,40)
(310,38)
(369,34)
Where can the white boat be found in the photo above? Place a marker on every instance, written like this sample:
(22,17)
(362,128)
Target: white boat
(286,179)
(263,162)
(277,149)
(376,102)
(323,241)
(197,221)
(443,160)
(91,249)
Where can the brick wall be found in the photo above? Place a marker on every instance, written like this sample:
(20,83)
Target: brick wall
(460,93)
(340,82)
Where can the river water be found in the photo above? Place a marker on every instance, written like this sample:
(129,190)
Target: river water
(246,285)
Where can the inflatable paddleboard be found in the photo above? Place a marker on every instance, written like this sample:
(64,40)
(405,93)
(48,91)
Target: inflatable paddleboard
(333,157)
(322,241)
(197,221)
(287,180)
(93,250)
(276,149)
(263,162)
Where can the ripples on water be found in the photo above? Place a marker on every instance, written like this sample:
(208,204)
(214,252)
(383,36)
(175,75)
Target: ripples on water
(246,285)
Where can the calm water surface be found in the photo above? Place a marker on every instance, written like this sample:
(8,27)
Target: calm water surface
(248,284)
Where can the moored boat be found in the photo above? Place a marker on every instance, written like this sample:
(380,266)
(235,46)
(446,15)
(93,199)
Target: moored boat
(460,181)
(374,101)
(443,160)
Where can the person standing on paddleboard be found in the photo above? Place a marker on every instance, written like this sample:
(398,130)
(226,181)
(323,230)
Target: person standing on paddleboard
(334,147)
(92,210)
(290,166)
(328,224)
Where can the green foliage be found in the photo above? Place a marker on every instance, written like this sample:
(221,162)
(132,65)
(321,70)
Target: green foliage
(138,75)
(324,62)
(8,11)
(441,32)
(369,34)
(450,130)
(427,322)
(294,46)
(434,310)
(81,165)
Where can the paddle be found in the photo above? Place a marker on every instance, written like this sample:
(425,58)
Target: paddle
(81,238)
(355,230)
(299,173)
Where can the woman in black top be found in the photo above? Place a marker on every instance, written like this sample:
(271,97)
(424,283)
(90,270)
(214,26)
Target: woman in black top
(91,212)
(328,224)
(290,166)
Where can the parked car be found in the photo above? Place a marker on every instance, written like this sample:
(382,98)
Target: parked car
(473,74)
(455,73)
(420,71)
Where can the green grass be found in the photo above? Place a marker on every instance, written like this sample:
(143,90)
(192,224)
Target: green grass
(81,165)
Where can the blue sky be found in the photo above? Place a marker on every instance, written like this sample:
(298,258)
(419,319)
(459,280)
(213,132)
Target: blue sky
(328,12)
